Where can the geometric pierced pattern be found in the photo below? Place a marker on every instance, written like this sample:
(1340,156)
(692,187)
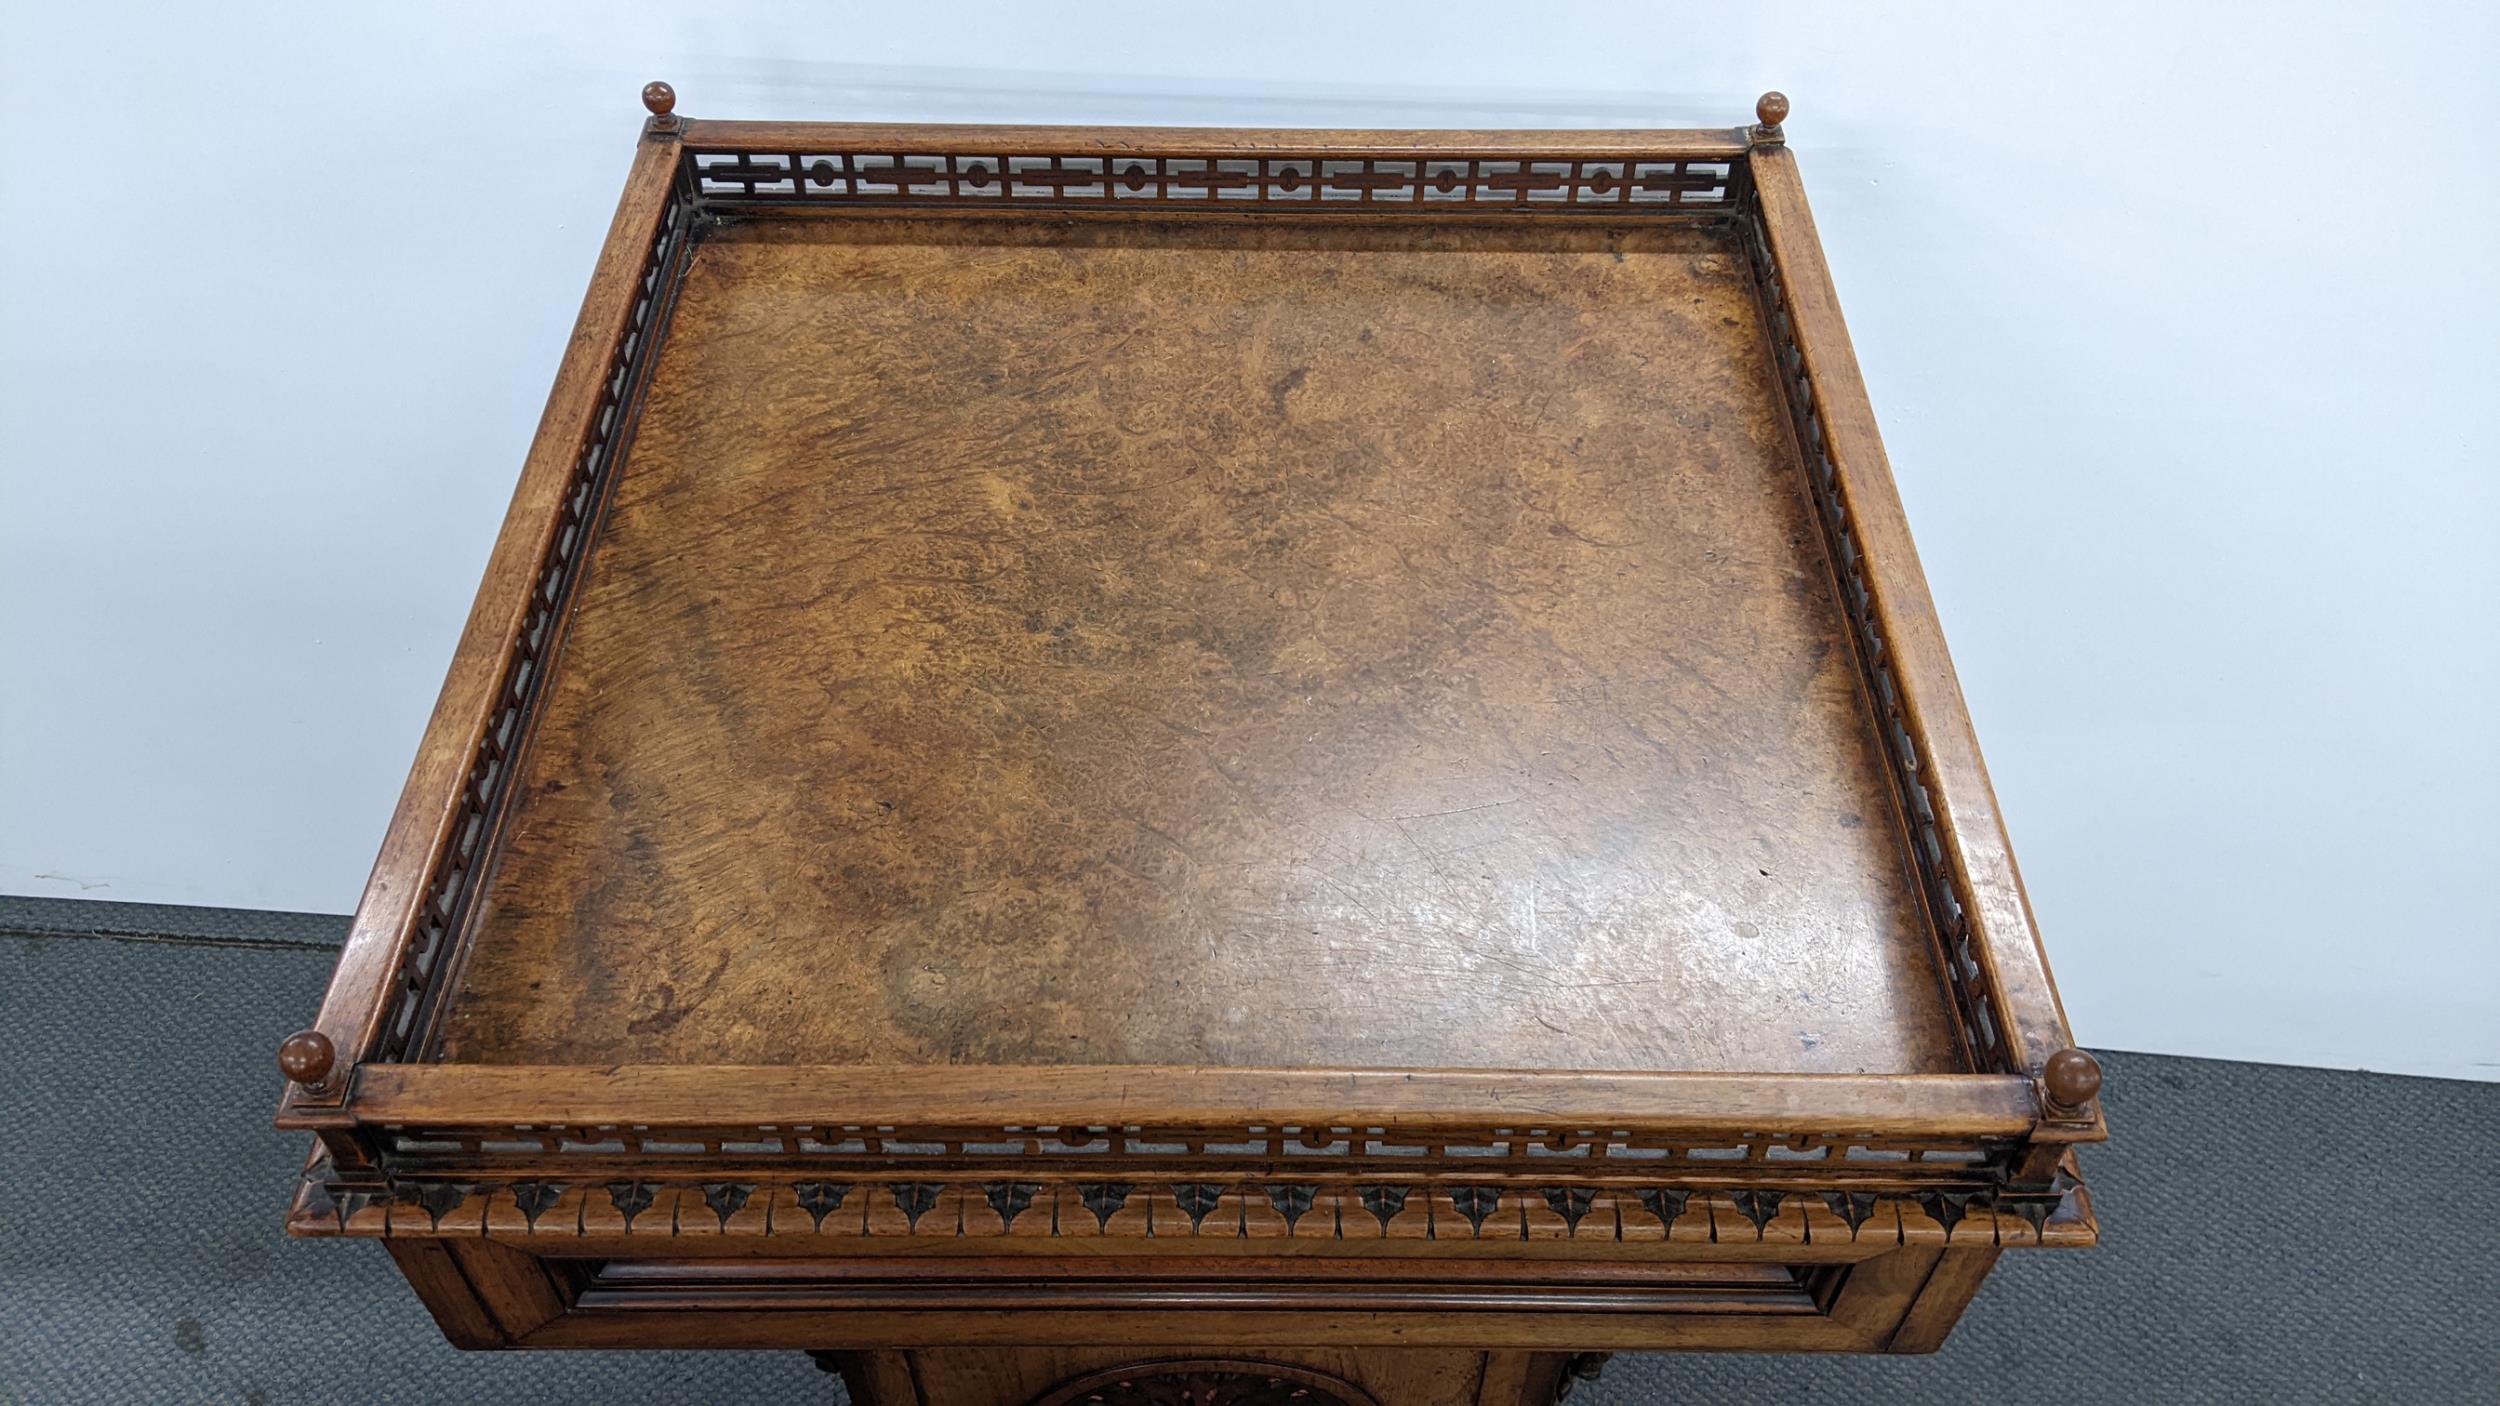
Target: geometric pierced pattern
(1341,1211)
(416,988)
(1508,1152)
(1940,883)
(1266,182)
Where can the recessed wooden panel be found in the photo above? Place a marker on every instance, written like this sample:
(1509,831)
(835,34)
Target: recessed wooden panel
(1324,644)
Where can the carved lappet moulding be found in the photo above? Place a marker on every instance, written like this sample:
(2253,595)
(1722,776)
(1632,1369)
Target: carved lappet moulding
(1179,1215)
(1209,1382)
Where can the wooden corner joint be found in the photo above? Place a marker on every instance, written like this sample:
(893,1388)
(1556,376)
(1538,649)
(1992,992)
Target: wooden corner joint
(1769,111)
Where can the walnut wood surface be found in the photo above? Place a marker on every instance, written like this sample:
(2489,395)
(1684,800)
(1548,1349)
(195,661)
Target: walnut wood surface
(1936,721)
(1234,643)
(1046,1376)
(1353,769)
(925,1097)
(1219,1381)
(1862,1310)
(1632,143)
(358,1004)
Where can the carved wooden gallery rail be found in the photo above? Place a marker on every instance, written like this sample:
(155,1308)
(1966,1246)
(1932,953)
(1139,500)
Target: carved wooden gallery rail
(1591,1167)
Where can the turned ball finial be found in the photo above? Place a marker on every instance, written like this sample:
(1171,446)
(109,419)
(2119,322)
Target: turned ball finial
(305,1057)
(1769,111)
(662,100)
(2071,1078)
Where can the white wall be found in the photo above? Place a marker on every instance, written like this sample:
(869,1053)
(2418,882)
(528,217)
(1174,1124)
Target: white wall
(2181,326)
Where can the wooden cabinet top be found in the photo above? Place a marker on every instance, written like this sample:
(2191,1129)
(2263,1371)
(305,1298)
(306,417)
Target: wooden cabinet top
(1060,658)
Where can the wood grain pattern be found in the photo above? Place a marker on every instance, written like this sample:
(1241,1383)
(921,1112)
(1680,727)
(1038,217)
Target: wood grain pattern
(1030,1376)
(1940,1301)
(464,1311)
(1018,643)
(361,996)
(1395,143)
(1208,1381)
(2005,942)
(1322,747)
(934,1101)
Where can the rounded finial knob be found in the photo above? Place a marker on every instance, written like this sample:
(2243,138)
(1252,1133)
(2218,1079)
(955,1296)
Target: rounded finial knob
(660,98)
(1771,109)
(305,1057)
(2072,1078)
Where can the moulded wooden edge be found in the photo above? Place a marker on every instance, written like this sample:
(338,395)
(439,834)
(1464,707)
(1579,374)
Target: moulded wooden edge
(1946,1105)
(1880,1296)
(1520,1329)
(971,138)
(1938,717)
(357,1001)
(1623,1224)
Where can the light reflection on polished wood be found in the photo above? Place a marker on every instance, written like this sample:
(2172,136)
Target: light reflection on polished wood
(1022,642)
(1370,787)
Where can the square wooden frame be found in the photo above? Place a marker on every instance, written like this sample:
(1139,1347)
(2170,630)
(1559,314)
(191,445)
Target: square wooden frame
(470,1172)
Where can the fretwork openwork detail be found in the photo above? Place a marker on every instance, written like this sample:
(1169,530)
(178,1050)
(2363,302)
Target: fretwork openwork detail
(1268,183)
(418,984)
(1940,883)
(1140,1151)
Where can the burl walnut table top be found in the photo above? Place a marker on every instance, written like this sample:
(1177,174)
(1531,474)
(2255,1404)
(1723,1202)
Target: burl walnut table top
(1199,737)
(1021,641)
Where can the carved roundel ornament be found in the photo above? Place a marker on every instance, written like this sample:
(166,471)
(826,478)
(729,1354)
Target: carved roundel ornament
(1206,1383)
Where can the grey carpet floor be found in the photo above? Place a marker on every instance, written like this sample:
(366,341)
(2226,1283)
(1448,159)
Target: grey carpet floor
(2271,1235)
